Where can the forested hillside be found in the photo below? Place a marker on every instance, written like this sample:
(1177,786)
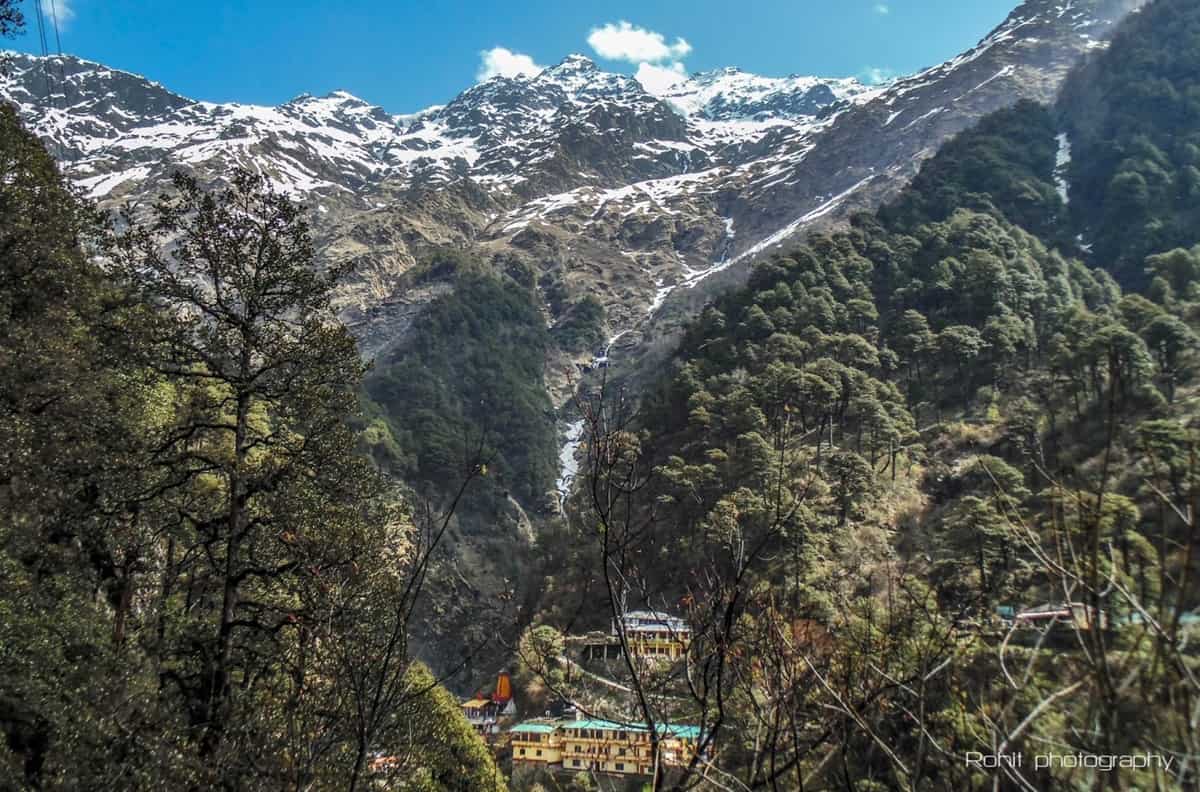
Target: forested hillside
(202,583)
(922,493)
(472,370)
(978,401)
(1132,116)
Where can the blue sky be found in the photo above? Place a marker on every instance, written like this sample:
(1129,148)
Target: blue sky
(408,55)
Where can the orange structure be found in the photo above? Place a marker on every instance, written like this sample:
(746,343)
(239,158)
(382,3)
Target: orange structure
(485,710)
(503,692)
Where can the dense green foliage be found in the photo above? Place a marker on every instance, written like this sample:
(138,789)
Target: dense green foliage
(582,328)
(855,339)
(899,428)
(472,369)
(452,758)
(1133,116)
(202,583)
(1004,166)
(62,412)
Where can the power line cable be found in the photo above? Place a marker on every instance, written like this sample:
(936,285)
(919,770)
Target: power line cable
(54,18)
(62,69)
(47,70)
(41,23)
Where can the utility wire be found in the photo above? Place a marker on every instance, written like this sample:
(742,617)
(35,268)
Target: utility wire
(41,22)
(54,18)
(47,71)
(62,69)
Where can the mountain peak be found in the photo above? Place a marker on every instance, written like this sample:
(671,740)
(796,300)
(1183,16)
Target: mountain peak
(584,81)
(345,98)
(575,62)
(574,67)
(334,101)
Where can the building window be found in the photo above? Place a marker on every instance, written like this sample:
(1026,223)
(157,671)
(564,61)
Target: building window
(522,752)
(577,763)
(539,752)
(578,749)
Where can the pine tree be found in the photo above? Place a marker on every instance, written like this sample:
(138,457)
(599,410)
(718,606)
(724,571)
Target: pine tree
(277,504)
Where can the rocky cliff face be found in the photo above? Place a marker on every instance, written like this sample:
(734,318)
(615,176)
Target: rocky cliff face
(646,202)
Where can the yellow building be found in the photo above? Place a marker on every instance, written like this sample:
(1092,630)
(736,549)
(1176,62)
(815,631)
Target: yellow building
(621,749)
(651,635)
(536,742)
(655,635)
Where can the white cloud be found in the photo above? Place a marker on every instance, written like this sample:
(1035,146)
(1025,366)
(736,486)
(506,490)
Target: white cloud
(623,41)
(876,75)
(883,9)
(657,79)
(61,10)
(502,62)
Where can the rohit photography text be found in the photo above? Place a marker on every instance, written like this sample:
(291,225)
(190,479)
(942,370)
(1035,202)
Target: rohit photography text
(1052,760)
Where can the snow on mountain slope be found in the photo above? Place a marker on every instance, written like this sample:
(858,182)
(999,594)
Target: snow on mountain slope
(599,187)
(731,94)
(870,151)
(112,128)
(501,155)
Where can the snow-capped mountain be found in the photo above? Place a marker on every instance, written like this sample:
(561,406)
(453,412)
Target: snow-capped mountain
(600,186)
(115,131)
(731,94)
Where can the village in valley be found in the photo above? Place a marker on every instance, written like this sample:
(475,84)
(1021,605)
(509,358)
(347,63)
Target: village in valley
(594,736)
(603,739)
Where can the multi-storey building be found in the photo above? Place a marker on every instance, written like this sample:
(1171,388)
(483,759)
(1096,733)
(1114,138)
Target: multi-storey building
(536,742)
(651,635)
(601,746)
(654,634)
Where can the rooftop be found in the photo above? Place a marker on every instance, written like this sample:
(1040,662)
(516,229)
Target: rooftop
(535,728)
(652,620)
(649,615)
(672,729)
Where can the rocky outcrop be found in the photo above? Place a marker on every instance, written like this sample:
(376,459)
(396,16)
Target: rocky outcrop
(646,202)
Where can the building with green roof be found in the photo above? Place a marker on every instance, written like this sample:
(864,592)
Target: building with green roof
(599,745)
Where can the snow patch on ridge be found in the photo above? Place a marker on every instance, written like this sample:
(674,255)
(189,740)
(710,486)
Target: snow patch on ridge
(791,228)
